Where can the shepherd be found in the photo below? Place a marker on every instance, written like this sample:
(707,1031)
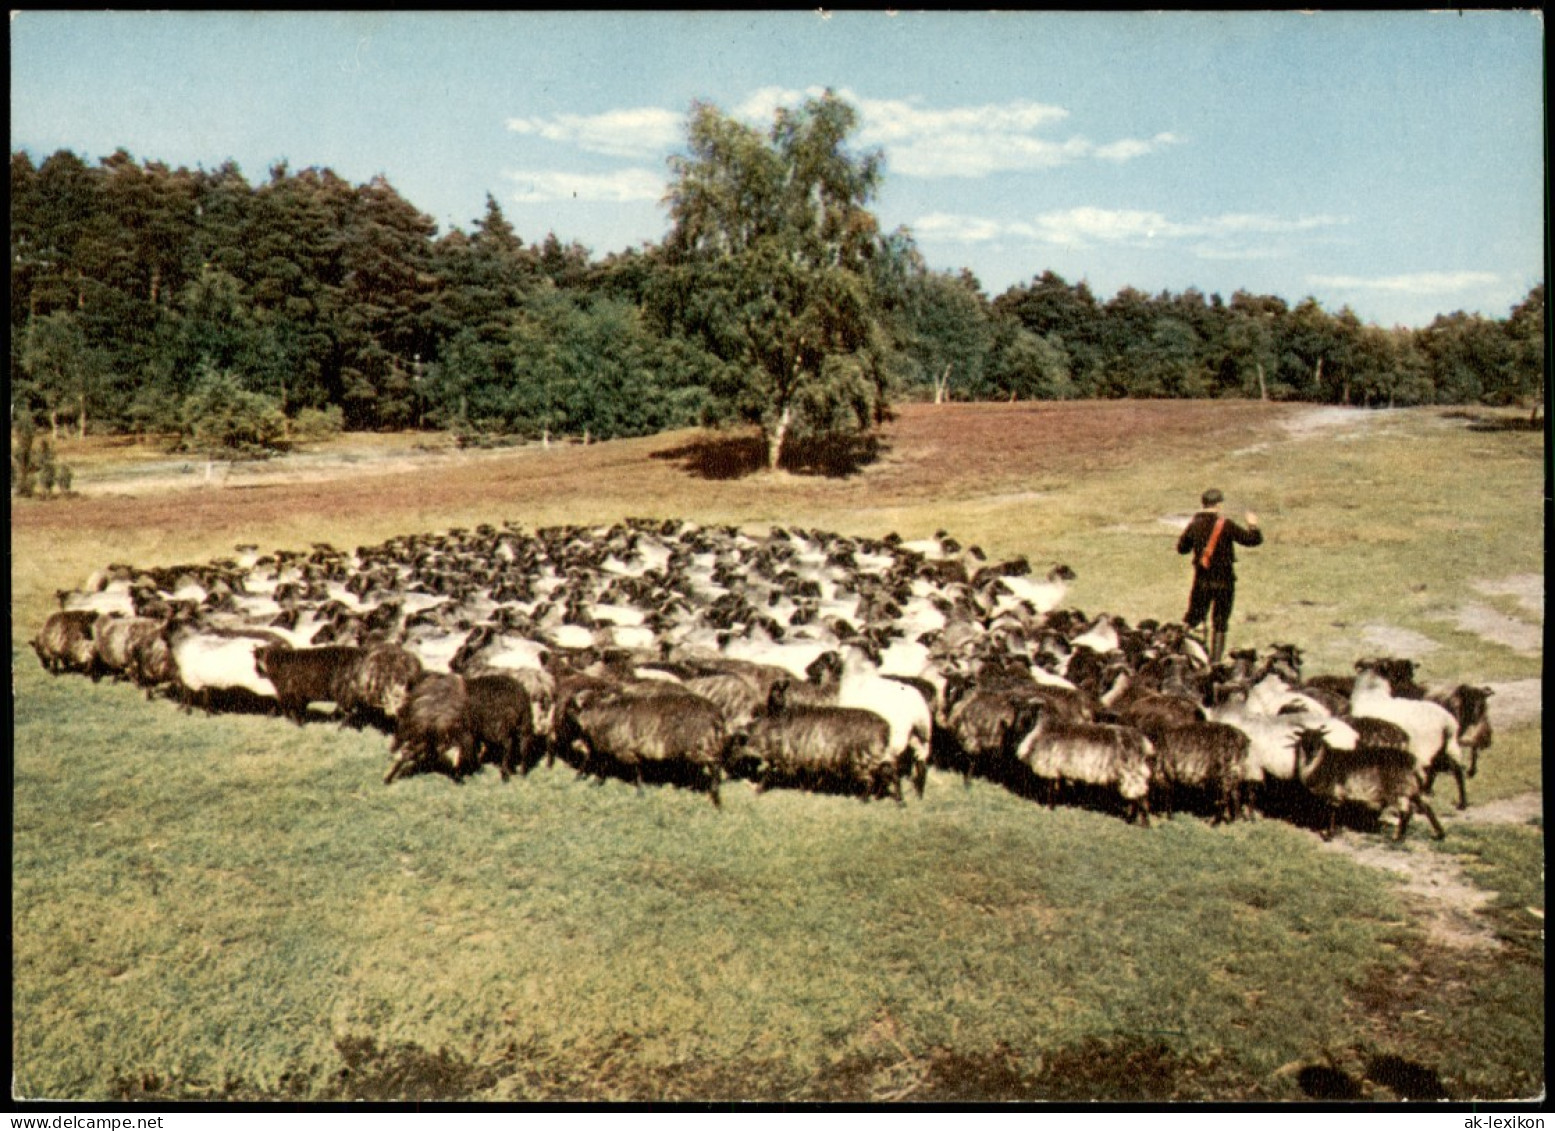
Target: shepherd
(1211,538)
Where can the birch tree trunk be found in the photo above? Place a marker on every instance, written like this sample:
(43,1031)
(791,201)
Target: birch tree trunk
(775,441)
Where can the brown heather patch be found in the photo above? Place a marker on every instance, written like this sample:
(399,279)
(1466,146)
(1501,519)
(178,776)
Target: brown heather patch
(927,452)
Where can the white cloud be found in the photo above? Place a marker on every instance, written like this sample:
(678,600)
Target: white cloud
(1073,227)
(761,104)
(979,154)
(958,229)
(972,141)
(619,187)
(1237,252)
(1130,148)
(642,131)
(1419,283)
(1087,226)
(889,121)
(1246,223)
(1082,226)
(919,141)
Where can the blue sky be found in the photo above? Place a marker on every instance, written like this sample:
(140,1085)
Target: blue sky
(1388,161)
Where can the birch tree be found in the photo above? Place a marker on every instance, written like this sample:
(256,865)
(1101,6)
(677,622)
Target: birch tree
(768,264)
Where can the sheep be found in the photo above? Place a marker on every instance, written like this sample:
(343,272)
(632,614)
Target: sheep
(431,643)
(1381,778)
(1100,637)
(64,643)
(1063,700)
(980,727)
(904,709)
(1378,732)
(1084,668)
(726,616)
(679,732)
(1272,694)
(540,688)
(1328,700)
(489,648)
(379,684)
(1270,772)
(491,651)
(568,684)
(1433,732)
(1205,756)
(1151,711)
(1043,596)
(1397,673)
(217,668)
(1470,706)
(737,697)
(1329,686)
(114,597)
(119,641)
(1284,661)
(819,745)
(1096,754)
(151,663)
(502,721)
(306,675)
(434,729)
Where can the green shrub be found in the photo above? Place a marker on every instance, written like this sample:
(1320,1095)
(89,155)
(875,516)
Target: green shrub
(33,464)
(314,424)
(220,418)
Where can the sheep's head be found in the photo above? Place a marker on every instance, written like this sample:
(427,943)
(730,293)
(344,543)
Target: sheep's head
(1284,661)
(1308,743)
(1027,717)
(1398,672)
(825,668)
(262,657)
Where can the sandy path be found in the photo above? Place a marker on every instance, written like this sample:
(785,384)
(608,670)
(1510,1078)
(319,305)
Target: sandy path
(1433,881)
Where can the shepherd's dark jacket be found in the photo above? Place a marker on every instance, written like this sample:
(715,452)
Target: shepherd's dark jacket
(1223,562)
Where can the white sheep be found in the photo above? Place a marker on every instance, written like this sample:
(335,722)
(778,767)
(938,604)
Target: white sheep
(211,666)
(113,598)
(1432,729)
(1270,753)
(1043,595)
(1100,637)
(910,717)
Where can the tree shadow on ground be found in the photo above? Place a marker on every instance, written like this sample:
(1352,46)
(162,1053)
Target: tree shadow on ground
(727,456)
(1498,422)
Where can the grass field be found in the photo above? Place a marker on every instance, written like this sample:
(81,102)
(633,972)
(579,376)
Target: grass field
(231,906)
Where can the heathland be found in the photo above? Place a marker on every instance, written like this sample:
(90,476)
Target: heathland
(231,906)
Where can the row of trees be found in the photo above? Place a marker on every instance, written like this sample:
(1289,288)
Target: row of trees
(145,298)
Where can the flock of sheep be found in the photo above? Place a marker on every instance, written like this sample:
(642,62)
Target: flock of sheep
(673,651)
